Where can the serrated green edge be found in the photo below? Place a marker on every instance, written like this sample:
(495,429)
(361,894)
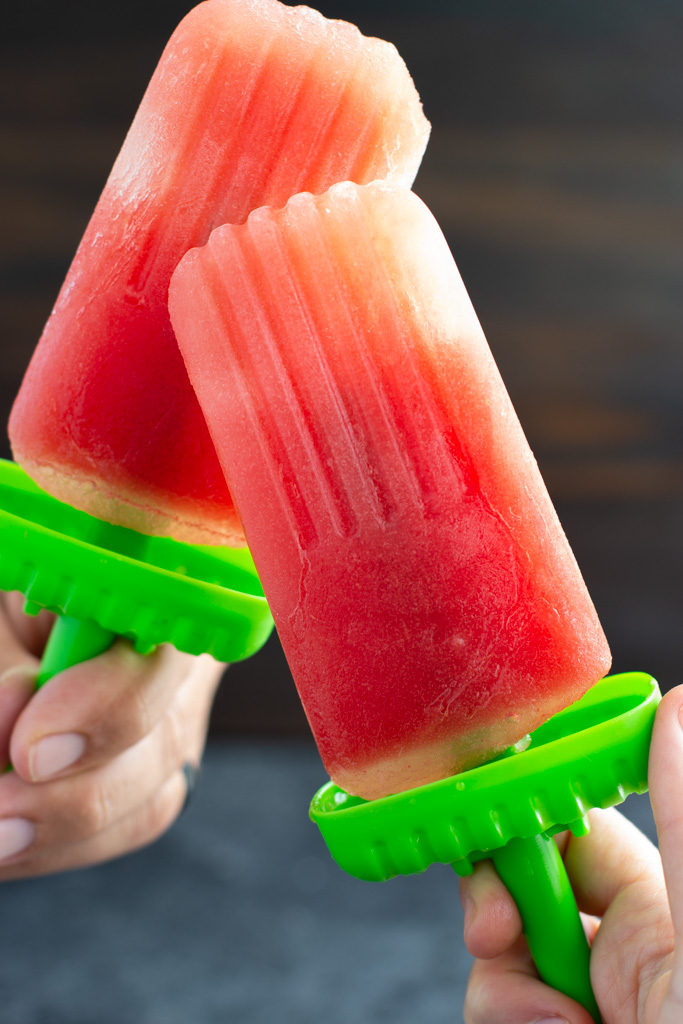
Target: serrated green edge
(546,788)
(146,603)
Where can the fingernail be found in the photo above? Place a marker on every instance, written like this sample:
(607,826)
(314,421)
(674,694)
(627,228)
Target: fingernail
(15,835)
(548,1020)
(19,673)
(52,755)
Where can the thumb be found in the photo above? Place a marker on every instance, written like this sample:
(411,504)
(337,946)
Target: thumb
(666,788)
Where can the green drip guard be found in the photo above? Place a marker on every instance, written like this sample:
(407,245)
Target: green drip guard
(592,754)
(106,581)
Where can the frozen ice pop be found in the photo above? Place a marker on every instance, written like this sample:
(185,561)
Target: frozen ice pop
(426,597)
(251,102)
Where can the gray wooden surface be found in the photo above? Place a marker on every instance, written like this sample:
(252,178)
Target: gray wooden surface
(237,916)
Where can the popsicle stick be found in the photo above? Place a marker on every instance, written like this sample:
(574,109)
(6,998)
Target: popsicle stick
(71,642)
(535,875)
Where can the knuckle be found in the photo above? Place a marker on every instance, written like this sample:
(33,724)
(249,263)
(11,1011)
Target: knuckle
(93,812)
(164,810)
(656,957)
(121,723)
(175,737)
(137,722)
(158,814)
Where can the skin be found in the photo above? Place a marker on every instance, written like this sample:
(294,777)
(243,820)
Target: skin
(133,721)
(631,900)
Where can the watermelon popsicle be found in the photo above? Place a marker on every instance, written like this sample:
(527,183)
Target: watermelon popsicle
(427,600)
(252,101)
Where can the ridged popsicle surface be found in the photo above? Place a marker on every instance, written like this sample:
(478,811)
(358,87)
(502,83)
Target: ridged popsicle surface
(429,605)
(252,101)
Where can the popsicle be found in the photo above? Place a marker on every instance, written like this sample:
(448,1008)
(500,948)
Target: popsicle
(251,102)
(428,603)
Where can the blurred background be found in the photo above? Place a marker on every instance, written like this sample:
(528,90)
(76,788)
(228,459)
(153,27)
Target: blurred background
(555,168)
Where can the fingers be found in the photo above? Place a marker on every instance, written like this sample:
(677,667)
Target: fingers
(666,786)
(630,965)
(17,684)
(614,855)
(98,752)
(31,631)
(617,875)
(506,990)
(102,812)
(92,712)
(17,679)
(140,827)
(492,921)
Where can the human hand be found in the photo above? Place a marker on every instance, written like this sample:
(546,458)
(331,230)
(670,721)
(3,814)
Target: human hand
(98,752)
(621,887)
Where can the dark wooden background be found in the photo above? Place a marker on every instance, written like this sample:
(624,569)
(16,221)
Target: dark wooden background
(556,170)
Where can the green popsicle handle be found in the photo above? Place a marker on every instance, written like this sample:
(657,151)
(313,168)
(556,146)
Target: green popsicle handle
(535,876)
(71,642)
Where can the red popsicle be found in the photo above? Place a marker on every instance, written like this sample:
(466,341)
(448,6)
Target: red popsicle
(428,602)
(252,101)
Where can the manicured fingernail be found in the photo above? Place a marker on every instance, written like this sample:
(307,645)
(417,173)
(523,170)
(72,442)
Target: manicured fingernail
(52,755)
(15,835)
(548,1020)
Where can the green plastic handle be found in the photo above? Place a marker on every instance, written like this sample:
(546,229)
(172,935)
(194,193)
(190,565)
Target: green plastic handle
(534,875)
(71,642)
